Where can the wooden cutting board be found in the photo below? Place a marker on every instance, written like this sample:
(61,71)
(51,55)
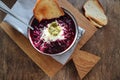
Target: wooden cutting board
(83,61)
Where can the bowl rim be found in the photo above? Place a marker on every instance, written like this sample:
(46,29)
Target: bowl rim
(72,44)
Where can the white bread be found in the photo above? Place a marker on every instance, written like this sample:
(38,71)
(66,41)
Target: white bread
(95,24)
(47,9)
(95,12)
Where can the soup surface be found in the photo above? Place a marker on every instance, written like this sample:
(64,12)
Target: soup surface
(53,36)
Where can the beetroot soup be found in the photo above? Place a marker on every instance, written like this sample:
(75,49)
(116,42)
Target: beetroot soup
(53,36)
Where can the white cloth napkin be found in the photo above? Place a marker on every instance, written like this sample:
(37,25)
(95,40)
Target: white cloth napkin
(24,10)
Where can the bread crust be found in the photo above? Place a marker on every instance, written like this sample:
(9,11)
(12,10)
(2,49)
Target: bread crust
(34,10)
(95,23)
(44,9)
(56,1)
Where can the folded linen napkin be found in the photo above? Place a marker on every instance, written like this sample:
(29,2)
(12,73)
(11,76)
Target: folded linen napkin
(24,10)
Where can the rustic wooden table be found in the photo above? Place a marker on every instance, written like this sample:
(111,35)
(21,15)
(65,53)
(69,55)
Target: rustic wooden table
(15,65)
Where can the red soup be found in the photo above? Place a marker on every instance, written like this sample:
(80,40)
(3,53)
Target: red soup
(53,36)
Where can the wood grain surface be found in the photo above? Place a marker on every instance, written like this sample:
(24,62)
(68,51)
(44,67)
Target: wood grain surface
(105,43)
(44,61)
(84,62)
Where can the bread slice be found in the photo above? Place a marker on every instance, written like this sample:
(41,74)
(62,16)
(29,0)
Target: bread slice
(95,12)
(47,9)
(95,23)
